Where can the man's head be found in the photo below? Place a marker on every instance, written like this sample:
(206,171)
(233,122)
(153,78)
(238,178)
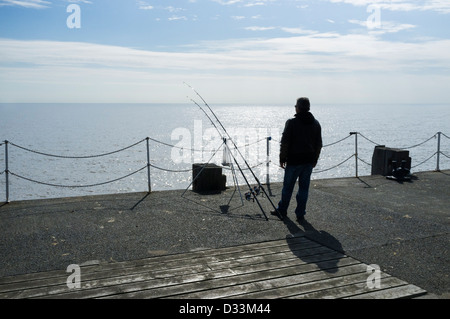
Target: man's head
(302,105)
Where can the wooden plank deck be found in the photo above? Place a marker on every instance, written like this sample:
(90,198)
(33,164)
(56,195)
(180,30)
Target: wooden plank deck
(296,267)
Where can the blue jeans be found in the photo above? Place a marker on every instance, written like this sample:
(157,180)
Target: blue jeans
(291,174)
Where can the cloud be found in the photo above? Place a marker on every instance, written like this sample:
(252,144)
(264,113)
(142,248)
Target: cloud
(143,5)
(173,9)
(237,18)
(441,6)
(176,18)
(36,4)
(32,4)
(79,1)
(262,69)
(244,3)
(297,31)
(227,2)
(284,29)
(330,52)
(254,4)
(385,26)
(322,52)
(256,28)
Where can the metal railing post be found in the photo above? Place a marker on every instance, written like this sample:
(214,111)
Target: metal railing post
(6,172)
(148,167)
(438,151)
(224,152)
(269,138)
(356,152)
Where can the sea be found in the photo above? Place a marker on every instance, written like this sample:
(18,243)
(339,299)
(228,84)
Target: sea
(64,150)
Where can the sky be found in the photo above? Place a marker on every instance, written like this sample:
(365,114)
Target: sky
(231,51)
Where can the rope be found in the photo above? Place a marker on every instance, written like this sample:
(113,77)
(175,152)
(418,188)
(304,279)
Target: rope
(368,139)
(421,143)
(408,147)
(348,136)
(190,169)
(324,170)
(191,149)
(327,169)
(170,170)
(76,157)
(364,161)
(247,168)
(77,186)
(442,153)
(195,150)
(337,141)
(411,166)
(424,160)
(256,142)
(179,147)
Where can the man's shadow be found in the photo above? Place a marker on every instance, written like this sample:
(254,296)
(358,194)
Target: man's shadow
(329,262)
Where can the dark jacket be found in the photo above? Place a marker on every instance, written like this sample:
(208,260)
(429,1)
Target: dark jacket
(301,142)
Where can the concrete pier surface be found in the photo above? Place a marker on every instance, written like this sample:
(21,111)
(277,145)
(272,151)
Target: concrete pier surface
(401,226)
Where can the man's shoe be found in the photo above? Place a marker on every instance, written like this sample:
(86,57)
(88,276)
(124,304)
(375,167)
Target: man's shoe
(278,213)
(301,220)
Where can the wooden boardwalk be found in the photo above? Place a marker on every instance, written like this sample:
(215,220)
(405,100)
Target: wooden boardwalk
(296,267)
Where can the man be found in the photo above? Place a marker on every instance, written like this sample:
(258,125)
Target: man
(300,148)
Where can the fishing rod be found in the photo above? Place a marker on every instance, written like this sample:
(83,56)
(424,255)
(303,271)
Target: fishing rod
(224,143)
(245,161)
(235,160)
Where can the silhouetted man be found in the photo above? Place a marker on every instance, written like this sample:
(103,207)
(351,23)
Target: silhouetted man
(300,148)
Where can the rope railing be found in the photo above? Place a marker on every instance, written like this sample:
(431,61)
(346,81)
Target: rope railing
(76,186)
(330,144)
(407,147)
(445,135)
(179,147)
(76,157)
(416,145)
(150,164)
(200,150)
(335,166)
(171,170)
(360,159)
(337,142)
(366,138)
(423,162)
(438,152)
